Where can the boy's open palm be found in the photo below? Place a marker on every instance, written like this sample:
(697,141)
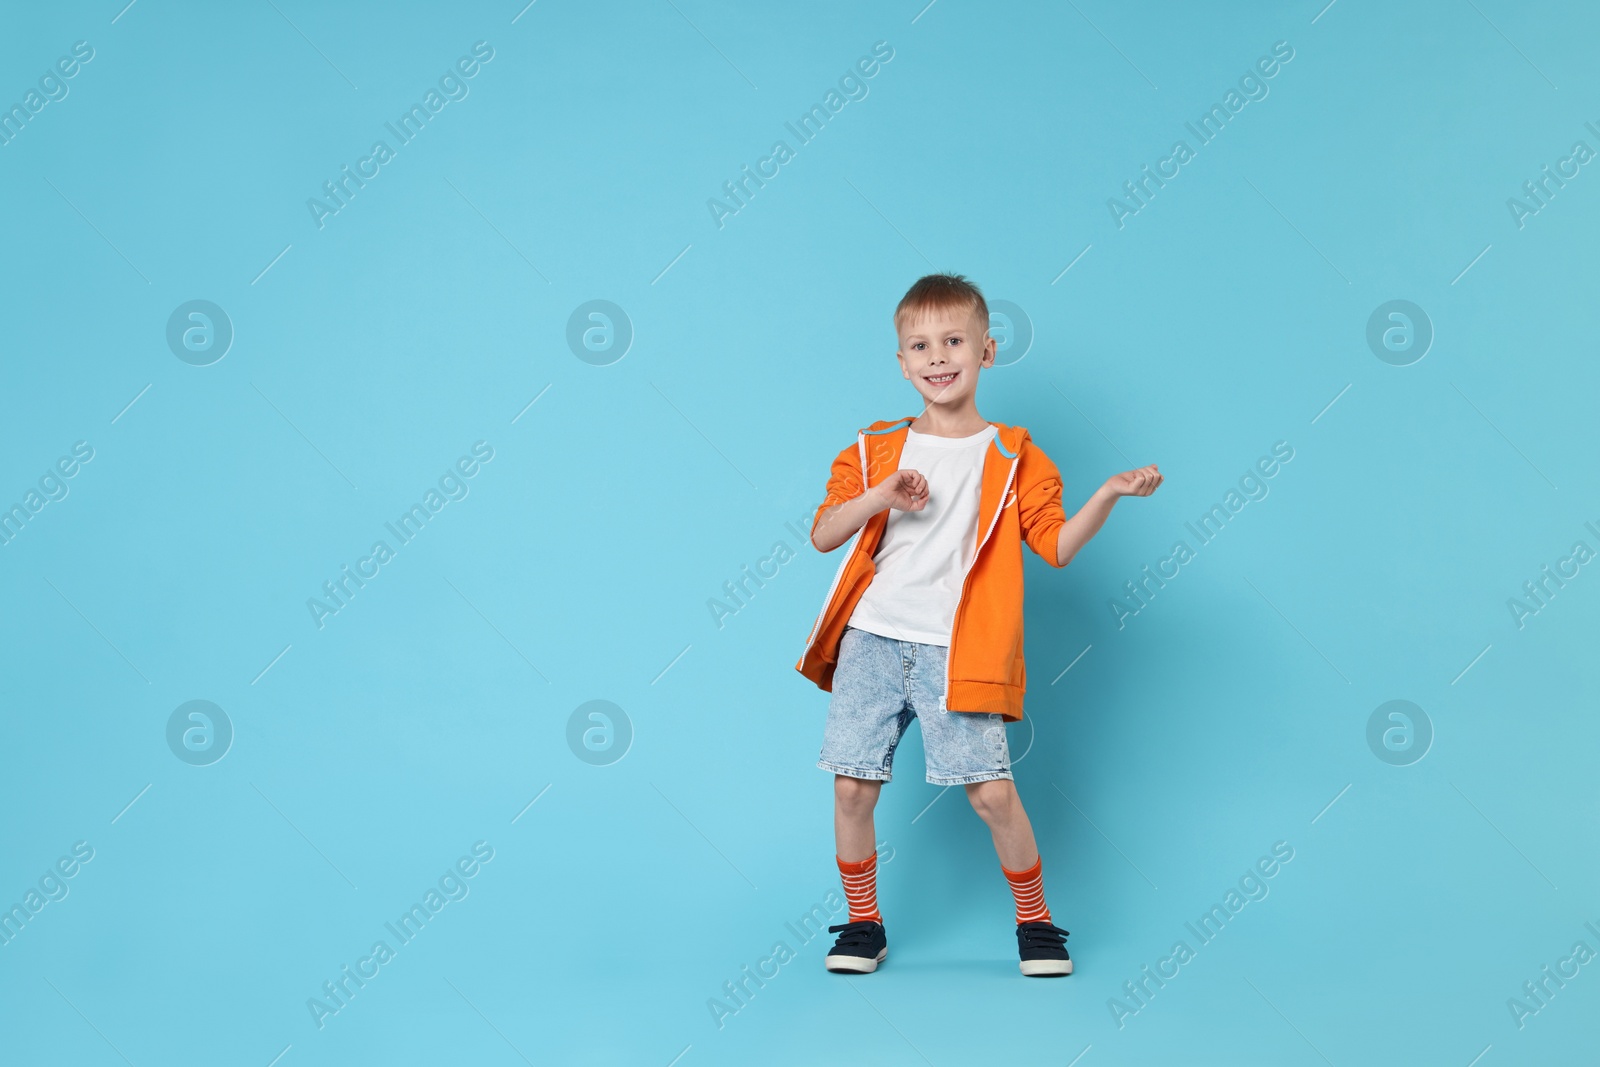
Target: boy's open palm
(1141,482)
(904,490)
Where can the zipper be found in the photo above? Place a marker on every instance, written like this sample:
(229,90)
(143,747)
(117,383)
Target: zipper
(949,660)
(861,442)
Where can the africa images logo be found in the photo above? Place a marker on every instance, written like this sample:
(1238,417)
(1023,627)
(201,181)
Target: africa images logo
(452,86)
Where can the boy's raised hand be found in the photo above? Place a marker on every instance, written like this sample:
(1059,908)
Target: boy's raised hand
(1141,482)
(905,490)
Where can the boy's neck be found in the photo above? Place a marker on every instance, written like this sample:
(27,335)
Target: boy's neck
(937,422)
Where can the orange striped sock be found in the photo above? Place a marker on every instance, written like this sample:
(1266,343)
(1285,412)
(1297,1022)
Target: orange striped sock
(1028,887)
(860,878)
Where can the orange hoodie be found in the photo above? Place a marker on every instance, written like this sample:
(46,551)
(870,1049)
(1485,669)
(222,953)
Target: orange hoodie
(1020,501)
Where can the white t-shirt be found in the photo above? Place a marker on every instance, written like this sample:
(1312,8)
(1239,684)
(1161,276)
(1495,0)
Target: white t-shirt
(924,555)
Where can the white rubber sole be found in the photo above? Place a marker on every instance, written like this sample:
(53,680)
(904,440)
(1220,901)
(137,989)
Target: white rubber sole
(1046,968)
(855,964)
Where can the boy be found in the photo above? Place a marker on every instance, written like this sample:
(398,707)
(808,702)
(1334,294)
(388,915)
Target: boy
(924,618)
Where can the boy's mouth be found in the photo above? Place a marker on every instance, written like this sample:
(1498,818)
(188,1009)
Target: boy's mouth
(940,379)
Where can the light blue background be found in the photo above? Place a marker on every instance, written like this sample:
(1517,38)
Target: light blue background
(1227,315)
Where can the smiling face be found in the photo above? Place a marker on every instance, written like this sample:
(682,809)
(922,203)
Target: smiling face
(941,354)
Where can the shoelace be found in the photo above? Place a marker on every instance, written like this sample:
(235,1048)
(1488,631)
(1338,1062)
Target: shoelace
(854,935)
(1045,936)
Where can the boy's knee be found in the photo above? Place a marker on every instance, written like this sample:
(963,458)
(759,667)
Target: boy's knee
(993,797)
(855,794)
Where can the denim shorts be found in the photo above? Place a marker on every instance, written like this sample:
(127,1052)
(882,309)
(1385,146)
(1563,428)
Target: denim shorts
(879,685)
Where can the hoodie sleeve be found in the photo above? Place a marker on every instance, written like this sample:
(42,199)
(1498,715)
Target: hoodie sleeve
(1039,502)
(844,483)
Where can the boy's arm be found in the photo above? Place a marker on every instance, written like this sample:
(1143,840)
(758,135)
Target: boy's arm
(848,505)
(1076,531)
(1087,522)
(1045,526)
(839,522)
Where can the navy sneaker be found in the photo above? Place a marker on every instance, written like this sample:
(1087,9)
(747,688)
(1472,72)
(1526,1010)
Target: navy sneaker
(1043,949)
(860,948)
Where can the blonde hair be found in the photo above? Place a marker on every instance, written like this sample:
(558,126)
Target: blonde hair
(941,292)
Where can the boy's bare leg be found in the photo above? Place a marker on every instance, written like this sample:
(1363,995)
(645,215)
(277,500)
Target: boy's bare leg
(1041,945)
(862,943)
(853,801)
(998,805)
